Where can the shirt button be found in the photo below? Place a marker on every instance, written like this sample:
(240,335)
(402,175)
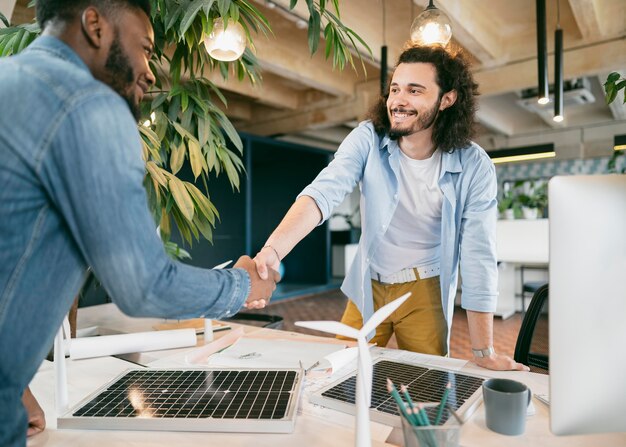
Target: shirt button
(383,226)
(395,196)
(367,260)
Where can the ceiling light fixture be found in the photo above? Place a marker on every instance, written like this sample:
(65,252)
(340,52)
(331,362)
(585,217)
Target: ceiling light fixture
(558,67)
(226,43)
(522,153)
(542,53)
(431,27)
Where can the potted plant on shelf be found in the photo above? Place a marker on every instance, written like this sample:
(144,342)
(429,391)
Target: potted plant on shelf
(614,83)
(509,206)
(535,201)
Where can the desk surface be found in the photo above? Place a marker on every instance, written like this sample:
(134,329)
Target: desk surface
(314,425)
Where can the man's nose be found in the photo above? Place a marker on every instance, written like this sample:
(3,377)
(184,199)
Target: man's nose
(398,100)
(150,79)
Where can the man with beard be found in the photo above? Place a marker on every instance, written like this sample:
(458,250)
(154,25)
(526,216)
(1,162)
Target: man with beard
(428,204)
(72,195)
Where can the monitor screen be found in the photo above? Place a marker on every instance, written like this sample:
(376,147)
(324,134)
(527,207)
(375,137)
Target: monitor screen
(587,304)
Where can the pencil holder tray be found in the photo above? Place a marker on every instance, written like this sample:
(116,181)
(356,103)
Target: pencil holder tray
(446,435)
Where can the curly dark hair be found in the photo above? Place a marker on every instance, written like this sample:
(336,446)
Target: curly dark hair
(65,10)
(454,126)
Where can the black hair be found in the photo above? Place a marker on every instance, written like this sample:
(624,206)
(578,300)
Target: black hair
(454,126)
(66,10)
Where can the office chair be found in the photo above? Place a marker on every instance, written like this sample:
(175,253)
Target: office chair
(532,347)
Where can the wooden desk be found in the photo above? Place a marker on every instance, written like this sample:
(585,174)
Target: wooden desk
(314,426)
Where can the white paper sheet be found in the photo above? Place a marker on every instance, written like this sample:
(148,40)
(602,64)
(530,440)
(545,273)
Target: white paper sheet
(261,353)
(333,362)
(82,348)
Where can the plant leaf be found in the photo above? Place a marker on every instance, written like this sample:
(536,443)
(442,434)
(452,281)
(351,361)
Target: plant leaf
(198,163)
(613,77)
(314,31)
(182,198)
(4,20)
(190,15)
(177,157)
(155,173)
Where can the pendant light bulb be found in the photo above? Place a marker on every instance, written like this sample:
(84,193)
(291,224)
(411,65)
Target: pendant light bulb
(431,27)
(226,43)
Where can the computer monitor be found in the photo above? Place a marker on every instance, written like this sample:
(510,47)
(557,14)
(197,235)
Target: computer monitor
(587,304)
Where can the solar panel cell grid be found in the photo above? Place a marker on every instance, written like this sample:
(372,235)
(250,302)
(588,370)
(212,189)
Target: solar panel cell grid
(236,394)
(424,385)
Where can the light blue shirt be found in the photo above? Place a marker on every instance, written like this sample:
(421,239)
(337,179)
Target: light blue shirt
(71,196)
(469,213)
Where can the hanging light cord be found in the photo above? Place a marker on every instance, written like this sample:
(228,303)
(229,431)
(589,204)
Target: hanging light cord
(384,22)
(558,14)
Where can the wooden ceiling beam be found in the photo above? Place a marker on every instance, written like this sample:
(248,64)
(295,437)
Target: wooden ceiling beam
(586,16)
(324,114)
(270,90)
(236,108)
(286,54)
(473,26)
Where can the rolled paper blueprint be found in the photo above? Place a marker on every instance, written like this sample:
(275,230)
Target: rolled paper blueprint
(83,348)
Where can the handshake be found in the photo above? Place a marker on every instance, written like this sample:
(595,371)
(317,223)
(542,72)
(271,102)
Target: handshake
(263,272)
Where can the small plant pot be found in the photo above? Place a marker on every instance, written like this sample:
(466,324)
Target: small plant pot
(508,214)
(530,213)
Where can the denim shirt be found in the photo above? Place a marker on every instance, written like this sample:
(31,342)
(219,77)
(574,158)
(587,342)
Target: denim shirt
(71,196)
(468,226)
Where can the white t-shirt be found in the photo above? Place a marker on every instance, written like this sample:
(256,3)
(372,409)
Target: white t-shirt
(413,237)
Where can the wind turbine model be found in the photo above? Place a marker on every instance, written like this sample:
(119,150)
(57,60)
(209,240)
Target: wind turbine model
(364,362)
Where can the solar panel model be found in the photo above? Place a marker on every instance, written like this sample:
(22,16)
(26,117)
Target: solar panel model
(213,400)
(424,385)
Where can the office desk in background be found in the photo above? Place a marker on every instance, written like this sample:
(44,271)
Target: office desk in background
(315,426)
(520,243)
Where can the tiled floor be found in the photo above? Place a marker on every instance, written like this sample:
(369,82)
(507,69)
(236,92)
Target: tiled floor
(330,306)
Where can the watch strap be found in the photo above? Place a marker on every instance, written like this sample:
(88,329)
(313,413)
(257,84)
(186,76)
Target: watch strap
(486,352)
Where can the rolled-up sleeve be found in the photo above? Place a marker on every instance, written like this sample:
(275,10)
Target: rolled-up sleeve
(343,173)
(478,257)
(94,172)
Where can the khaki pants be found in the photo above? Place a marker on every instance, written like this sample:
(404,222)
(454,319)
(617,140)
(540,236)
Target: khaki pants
(418,323)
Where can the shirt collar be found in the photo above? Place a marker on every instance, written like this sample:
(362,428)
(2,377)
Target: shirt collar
(450,162)
(58,48)
(389,144)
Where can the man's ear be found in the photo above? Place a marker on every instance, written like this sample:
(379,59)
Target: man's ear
(447,100)
(92,23)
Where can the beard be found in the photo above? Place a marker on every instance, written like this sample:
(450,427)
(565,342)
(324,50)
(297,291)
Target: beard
(121,76)
(424,121)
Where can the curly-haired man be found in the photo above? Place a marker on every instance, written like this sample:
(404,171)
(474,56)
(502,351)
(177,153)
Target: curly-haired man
(428,206)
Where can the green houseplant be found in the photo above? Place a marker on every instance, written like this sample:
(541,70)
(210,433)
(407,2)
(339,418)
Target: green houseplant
(186,125)
(535,200)
(614,83)
(509,205)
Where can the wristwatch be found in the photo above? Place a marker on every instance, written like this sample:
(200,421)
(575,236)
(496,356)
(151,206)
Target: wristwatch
(483,352)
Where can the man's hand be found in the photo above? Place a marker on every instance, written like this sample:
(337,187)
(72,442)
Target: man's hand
(36,417)
(499,362)
(260,289)
(266,258)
